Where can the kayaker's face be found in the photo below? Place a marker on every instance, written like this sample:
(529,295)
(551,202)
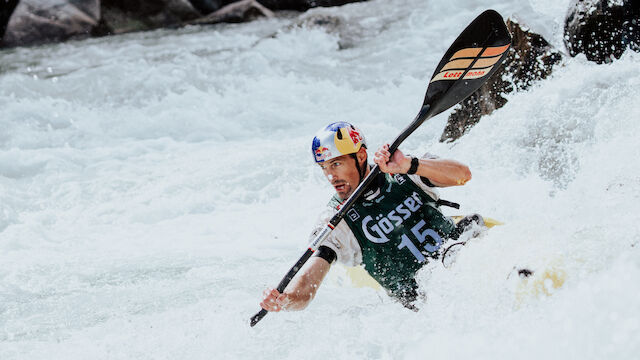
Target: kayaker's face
(342,174)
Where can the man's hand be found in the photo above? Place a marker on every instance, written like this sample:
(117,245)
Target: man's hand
(399,163)
(273,301)
(441,172)
(300,290)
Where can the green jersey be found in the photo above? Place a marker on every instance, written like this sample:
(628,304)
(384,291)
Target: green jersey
(393,230)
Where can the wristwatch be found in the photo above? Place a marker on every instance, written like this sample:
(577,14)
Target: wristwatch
(414,165)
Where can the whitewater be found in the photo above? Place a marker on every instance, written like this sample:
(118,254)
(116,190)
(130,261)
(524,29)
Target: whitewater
(152,185)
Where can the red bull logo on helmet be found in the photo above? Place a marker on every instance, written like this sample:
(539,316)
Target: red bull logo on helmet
(322,153)
(354,135)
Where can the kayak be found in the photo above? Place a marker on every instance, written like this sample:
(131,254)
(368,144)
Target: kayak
(488,222)
(543,282)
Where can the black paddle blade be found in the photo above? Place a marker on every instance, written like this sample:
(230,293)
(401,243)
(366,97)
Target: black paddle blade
(475,55)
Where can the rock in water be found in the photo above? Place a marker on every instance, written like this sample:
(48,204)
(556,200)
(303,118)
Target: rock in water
(5,14)
(121,16)
(207,6)
(602,29)
(349,32)
(302,5)
(241,11)
(530,58)
(41,21)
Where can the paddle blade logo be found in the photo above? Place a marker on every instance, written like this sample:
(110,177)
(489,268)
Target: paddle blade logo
(462,60)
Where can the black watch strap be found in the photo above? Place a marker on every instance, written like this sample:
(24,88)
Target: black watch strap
(414,166)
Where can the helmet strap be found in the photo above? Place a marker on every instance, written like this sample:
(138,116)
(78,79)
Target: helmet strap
(361,169)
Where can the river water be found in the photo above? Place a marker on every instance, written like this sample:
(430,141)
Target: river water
(153,184)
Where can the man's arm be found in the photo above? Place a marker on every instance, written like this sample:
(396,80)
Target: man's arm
(441,172)
(301,290)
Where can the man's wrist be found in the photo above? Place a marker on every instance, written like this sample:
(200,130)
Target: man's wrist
(413,167)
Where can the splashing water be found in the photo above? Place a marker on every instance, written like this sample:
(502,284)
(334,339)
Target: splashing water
(153,184)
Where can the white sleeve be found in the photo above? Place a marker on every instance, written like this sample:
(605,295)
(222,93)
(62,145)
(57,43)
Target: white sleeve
(341,240)
(431,191)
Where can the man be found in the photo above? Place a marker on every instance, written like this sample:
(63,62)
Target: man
(393,229)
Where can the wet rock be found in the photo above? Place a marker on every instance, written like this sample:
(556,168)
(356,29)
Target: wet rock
(5,14)
(302,5)
(41,21)
(348,32)
(331,23)
(602,29)
(349,29)
(530,59)
(241,11)
(121,16)
(207,6)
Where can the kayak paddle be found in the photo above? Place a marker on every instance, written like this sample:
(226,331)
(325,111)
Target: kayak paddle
(472,58)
